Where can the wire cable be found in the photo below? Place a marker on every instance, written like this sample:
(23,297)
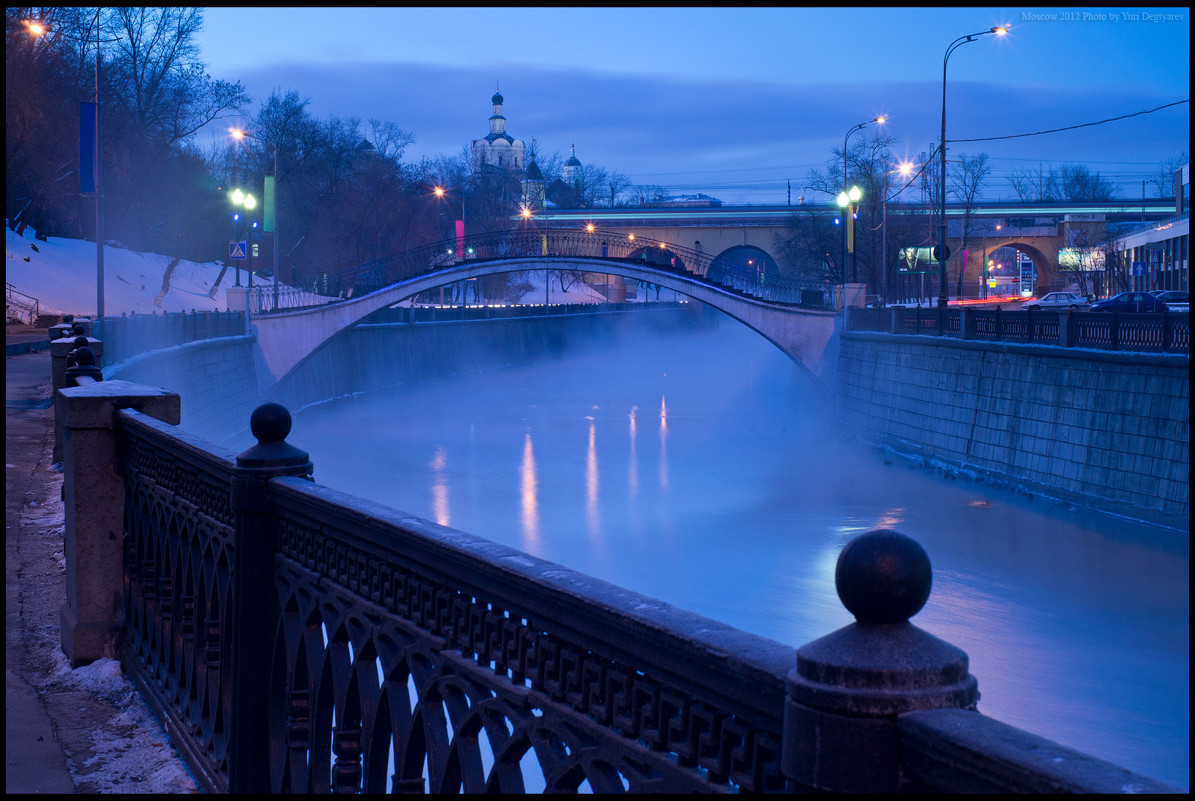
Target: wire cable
(1073,127)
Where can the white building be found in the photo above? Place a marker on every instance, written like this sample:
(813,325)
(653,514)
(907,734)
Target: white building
(499,149)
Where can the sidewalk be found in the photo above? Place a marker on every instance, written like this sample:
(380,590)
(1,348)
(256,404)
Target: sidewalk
(83,730)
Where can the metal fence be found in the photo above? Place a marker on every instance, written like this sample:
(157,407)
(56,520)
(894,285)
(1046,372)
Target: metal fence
(1147,333)
(297,639)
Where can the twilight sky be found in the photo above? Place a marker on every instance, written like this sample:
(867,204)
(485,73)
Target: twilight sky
(734,102)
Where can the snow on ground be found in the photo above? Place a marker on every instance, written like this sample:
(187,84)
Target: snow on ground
(61,275)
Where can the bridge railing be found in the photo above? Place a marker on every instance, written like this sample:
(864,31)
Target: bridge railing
(1147,333)
(296,639)
(549,245)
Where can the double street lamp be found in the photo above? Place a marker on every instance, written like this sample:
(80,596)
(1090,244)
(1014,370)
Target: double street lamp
(248,203)
(943,254)
(270,216)
(852,195)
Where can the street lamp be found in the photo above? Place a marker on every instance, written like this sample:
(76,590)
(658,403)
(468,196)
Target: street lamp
(848,201)
(249,203)
(943,254)
(271,215)
(880,120)
(38,29)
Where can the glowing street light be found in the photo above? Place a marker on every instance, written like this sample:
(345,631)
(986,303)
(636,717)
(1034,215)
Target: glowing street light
(880,120)
(36,28)
(271,211)
(942,253)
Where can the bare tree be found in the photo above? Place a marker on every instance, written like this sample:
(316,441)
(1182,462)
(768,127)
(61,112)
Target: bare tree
(1070,182)
(966,184)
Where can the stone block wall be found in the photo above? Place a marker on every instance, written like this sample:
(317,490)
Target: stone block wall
(1104,429)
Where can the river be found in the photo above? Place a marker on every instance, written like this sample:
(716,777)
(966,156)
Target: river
(698,468)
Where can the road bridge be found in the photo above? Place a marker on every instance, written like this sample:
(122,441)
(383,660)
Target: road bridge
(790,313)
(748,234)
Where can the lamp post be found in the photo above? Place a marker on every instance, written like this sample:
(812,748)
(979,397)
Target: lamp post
(847,201)
(272,207)
(39,29)
(943,254)
(880,120)
(249,203)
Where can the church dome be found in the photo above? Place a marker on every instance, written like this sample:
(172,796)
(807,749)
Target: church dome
(496,99)
(533,172)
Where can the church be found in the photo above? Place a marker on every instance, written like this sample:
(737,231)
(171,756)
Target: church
(500,151)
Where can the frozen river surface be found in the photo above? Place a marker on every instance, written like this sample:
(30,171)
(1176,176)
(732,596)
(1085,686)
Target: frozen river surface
(697,468)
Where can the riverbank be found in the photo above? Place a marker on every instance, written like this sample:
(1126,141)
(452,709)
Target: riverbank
(81,730)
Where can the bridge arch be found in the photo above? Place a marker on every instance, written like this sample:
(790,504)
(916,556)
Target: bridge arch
(1048,275)
(288,338)
(749,257)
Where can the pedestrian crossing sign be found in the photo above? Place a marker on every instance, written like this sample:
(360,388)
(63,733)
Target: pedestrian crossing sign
(236,250)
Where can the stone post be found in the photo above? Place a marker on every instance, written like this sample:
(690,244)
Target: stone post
(966,323)
(60,349)
(843,697)
(93,496)
(254,598)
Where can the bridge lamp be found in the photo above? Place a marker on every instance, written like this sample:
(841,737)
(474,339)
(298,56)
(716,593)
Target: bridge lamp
(631,237)
(438,191)
(526,213)
(589,228)
(943,254)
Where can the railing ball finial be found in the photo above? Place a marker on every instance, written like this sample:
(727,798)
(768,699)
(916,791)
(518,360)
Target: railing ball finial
(270,424)
(883,577)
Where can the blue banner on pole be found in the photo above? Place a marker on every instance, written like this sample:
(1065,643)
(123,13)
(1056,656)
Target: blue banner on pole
(87,148)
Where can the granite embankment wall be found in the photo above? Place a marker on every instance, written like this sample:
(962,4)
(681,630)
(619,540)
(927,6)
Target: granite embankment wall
(222,380)
(1104,429)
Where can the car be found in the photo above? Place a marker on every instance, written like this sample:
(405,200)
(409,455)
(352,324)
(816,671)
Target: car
(1130,302)
(1057,300)
(1176,300)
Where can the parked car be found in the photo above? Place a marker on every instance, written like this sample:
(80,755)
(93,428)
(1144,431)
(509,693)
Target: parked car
(1130,302)
(1057,300)
(1176,300)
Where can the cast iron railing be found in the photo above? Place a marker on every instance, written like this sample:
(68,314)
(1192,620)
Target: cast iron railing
(297,639)
(1148,333)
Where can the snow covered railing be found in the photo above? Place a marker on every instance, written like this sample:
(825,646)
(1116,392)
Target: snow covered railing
(297,639)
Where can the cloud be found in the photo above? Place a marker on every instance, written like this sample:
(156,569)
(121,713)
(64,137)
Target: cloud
(718,133)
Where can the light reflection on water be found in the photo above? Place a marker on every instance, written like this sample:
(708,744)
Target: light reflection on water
(1076,624)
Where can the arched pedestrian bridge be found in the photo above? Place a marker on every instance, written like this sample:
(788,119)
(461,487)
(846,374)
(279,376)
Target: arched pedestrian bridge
(791,313)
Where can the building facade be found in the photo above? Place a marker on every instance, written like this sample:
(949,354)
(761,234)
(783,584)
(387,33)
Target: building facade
(1158,257)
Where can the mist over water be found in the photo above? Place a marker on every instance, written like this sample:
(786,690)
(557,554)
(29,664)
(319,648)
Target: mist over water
(699,468)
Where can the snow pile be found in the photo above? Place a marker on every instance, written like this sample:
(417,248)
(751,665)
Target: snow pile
(61,275)
(129,753)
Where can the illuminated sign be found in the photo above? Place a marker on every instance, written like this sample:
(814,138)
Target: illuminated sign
(1081,259)
(917,260)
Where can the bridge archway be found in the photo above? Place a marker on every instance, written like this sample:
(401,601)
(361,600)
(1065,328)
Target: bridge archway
(286,339)
(1048,275)
(749,257)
